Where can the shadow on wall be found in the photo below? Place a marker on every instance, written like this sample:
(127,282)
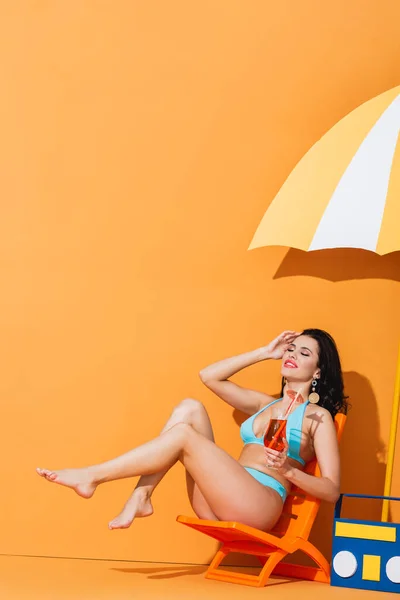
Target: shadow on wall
(339,264)
(362,463)
(362,454)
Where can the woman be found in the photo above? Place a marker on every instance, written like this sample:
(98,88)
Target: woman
(251,490)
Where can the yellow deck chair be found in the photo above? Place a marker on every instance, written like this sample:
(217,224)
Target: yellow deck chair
(289,535)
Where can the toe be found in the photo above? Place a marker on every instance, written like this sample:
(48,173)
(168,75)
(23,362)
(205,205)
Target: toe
(50,475)
(114,524)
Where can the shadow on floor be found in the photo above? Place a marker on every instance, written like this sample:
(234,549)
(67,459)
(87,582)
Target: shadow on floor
(166,572)
(169,572)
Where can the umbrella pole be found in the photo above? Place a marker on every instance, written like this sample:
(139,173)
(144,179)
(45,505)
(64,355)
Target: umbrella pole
(392,443)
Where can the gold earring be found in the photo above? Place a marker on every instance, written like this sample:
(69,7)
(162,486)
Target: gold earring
(314,397)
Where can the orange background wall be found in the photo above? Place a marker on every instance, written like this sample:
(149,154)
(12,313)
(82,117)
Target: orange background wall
(141,143)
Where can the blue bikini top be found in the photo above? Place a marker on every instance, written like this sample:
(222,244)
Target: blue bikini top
(294,428)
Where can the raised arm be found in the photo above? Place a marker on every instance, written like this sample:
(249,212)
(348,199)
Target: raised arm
(216,376)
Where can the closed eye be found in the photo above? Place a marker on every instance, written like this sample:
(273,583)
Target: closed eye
(293,347)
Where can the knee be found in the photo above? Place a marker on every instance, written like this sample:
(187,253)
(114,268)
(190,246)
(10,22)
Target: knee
(184,431)
(188,408)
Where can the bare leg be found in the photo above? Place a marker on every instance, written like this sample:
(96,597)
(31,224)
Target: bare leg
(139,503)
(157,455)
(220,478)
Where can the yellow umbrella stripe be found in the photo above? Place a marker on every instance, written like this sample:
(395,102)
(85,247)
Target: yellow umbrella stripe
(293,216)
(389,234)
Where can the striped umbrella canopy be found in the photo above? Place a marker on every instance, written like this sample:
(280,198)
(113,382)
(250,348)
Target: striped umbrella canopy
(345,191)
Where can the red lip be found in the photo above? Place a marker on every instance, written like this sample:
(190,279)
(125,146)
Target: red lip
(290,364)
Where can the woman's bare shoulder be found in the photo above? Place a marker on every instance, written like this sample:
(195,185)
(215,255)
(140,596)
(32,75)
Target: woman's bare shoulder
(318,418)
(314,409)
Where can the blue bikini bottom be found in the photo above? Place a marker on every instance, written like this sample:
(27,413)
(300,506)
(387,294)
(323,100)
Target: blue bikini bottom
(268,481)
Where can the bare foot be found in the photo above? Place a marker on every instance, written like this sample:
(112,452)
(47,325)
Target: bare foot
(79,480)
(138,505)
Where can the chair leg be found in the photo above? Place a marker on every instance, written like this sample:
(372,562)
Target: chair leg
(320,573)
(216,561)
(244,578)
(318,558)
(270,564)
